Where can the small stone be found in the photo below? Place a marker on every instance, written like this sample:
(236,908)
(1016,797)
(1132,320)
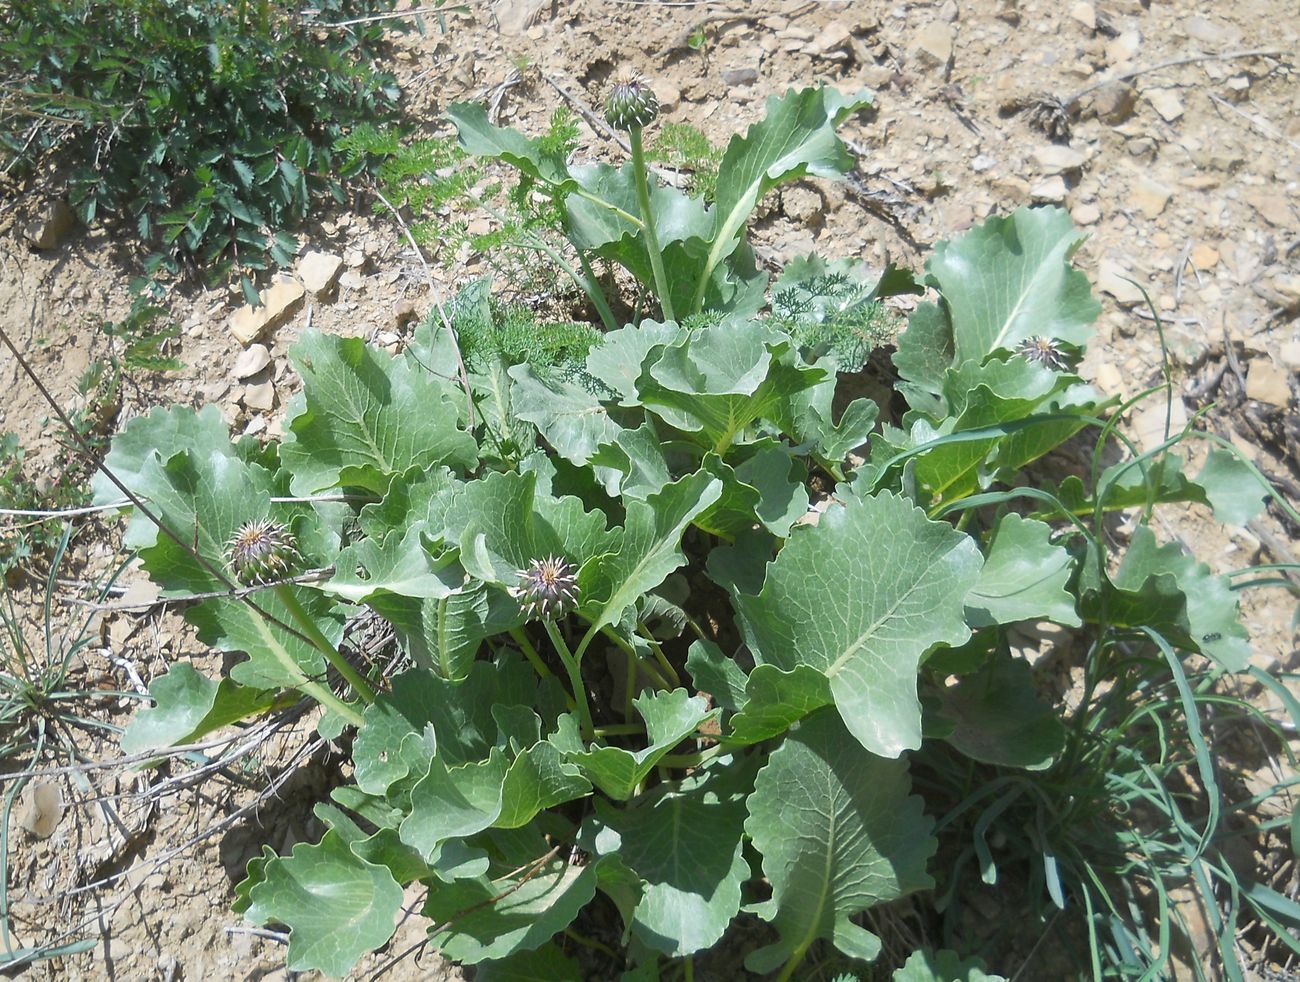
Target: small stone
(1085,214)
(1016,188)
(981,163)
(50,229)
(949,12)
(1109,379)
(251,360)
(1238,87)
(260,396)
(1289,355)
(319,270)
(1114,279)
(804,206)
(932,45)
(1123,48)
(1153,423)
(734,77)
(1282,290)
(41,809)
(1085,14)
(1187,342)
(1114,102)
(1205,256)
(1056,159)
(404,313)
(352,280)
(1273,208)
(279,302)
(1166,103)
(1149,197)
(1208,32)
(669,95)
(1051,191)
(833,39)
(1267,383)
(355,258)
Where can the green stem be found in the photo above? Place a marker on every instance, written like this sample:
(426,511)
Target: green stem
(597,296)
(650,670)
(574,669)
(340,664)
(692,760)
(526,646)
(659,653)
(647,216)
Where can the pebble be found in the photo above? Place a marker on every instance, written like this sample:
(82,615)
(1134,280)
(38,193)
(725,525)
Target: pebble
(1085,214)
(1205,256)
(1123,47)
(1208,32)
(251,360)
(669,95)
(740,76)
(319,270)
(1114,102)
(833,40)
(1051,191)
(1085,14)
(260,396)
(982,162)
(1149,197)
(1267,383)
(1289,355)
(1111,279)
(1166,103)
(932,45)
(279,302)
(51,227)
(1056,159)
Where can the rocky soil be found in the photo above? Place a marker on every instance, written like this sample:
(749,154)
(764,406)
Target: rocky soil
(1170,130)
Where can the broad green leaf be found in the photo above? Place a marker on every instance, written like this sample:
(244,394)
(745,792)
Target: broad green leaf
(1011,279)
(779,479)
(492,919)
(717,381)
(685,845)
(1025,577)
(503,524)
(838,833)
(570,417)
(365,416)
(924,355)
(157,437)
(412,498)
(1000,719)
(670,717)
(547,964)
(736,509)
(444,635)
(187,705)
(795,139)
(336,905)
(1231,487)
(453,802)
(860,597)
(775,700)
(716,673)
(637,457)
(618,359)
(650,548)
(405,567)
(1163,588)
(809,418)
(479,137)
(943,966)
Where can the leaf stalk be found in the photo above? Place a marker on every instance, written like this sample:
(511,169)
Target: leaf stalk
(647,216)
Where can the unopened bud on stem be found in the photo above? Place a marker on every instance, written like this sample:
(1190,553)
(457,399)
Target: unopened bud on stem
(631,104)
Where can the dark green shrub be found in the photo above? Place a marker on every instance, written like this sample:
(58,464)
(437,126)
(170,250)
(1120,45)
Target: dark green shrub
(208,124)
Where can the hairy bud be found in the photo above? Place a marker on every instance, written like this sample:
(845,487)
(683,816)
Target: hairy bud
(547,588)
(631,104)
(262,551)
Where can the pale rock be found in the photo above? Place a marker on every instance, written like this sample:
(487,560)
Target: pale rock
(803,205)
(51,227)
(279,302)
(1149,197)
(932,45)
(1109,379)
(1267,383)
(1282,290)
(1273,208)
(1051,191)
(1210,33)
(733,77)
(1238,87)
(1289,355)
(949,12)
(1016,188)
(981,163)
(251,360)
(352,280)
(1123,47)
(669,95)
(1056,159)
(1085,214)
(833,39)
(1150,426)
(1205,256)
(1085,14)
(1111,279)
(355,258)
(319,270)
(1114,102)
(1187,342)
(516,16)
(1166,103)
(260,396)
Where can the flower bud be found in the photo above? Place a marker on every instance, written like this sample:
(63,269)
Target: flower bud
(631,104)
(1048,352)
(261,552)
(547,588)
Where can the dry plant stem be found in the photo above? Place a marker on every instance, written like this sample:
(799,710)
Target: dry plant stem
(647,216)
(332,654)
(321,693)
(1173,63)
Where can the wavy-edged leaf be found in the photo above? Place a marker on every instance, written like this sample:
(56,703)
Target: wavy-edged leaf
(479,137)
(336,905)
(716,673)
(860,597)
(1024,577)
(493,919)
(618,359)
(405,567)
(775,700)
(187,705)
(838,832)
(364,416)
(999,718)
(547,964)
(570,417)
(943,966)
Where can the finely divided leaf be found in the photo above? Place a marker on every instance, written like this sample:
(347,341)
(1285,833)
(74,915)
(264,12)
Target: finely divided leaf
(860,597)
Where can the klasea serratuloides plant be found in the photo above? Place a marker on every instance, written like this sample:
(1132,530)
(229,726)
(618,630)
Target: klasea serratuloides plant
(673,644)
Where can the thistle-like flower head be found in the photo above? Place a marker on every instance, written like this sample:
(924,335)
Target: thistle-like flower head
(631,103)
(262,551)
(547,588)
(1048,352)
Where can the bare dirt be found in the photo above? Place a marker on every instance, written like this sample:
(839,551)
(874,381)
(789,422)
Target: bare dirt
(1182,162)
